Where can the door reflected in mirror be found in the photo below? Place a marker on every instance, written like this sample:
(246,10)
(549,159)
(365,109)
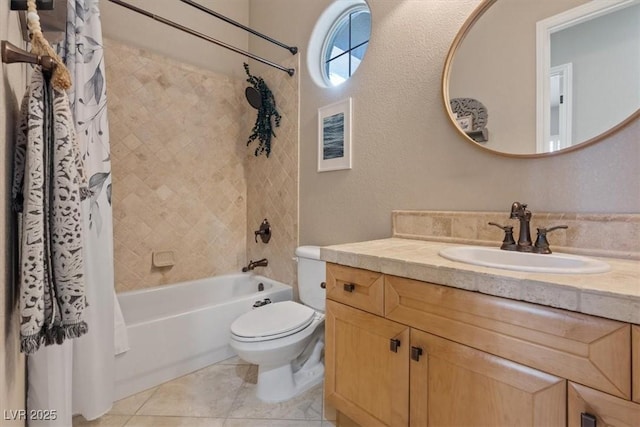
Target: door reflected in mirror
(553,75)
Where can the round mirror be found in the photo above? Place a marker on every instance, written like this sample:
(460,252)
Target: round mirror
(531,78)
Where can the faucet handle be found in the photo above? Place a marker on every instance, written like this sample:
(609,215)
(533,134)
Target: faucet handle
(508,244)
(542,244)
(264,232)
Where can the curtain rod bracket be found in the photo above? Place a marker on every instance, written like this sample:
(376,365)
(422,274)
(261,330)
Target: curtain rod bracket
(208,11)
(12,54)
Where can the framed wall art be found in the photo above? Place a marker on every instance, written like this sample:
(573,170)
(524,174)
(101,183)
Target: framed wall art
(334,136)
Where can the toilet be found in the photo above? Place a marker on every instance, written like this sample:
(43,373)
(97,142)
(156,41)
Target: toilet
(286,339)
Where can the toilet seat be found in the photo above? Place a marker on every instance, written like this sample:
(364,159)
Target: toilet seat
(272,321)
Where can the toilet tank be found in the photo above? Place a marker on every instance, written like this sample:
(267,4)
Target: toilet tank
(311,273)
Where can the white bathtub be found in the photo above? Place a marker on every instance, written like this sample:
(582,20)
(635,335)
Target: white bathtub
(180,328)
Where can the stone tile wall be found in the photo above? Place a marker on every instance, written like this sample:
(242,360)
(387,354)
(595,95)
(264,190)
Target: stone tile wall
(272,183)
(609,235)
(178,154)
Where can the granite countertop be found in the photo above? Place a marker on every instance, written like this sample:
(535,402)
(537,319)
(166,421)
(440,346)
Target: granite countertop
(614,294)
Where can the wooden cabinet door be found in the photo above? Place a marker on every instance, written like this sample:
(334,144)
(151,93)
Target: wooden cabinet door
(456,385)
(607,410)
(364,378)
(635,360)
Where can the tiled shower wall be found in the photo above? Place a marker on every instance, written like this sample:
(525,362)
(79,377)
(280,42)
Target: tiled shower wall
(272,183)
(178,151)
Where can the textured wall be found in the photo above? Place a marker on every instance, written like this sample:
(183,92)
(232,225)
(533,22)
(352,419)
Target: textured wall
(12,366)
(177,146)
(272,183)
(407,154)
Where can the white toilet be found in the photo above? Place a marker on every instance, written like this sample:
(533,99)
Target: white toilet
(286,339)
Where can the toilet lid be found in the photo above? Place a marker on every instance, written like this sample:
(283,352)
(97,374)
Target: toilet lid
(273,320)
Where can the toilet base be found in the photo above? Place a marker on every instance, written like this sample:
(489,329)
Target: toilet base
(280,383)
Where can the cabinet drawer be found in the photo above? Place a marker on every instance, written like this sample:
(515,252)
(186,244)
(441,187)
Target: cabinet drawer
(607,410)
(358,288)
(585,349)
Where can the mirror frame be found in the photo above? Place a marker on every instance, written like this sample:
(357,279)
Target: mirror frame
(446,73)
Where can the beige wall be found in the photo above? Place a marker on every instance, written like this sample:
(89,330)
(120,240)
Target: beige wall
(407,154)
(12,366)
(177,155)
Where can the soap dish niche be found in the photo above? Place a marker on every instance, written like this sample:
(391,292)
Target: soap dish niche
(162,259)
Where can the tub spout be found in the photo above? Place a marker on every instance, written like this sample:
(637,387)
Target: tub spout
(253,264)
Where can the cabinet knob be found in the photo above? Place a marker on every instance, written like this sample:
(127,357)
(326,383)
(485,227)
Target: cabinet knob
(587,420)
(394,344)
(349,287)
(416,352)
(323,285)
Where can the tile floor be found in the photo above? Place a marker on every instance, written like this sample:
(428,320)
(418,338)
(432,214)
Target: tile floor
(221,395)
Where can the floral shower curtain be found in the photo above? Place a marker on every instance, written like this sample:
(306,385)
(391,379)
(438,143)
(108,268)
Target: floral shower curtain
(78,377)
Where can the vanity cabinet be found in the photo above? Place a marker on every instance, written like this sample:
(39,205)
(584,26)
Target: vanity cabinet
(439,355)
(383,373)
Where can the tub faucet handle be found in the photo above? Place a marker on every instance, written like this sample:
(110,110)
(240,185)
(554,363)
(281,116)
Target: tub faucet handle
(264,232)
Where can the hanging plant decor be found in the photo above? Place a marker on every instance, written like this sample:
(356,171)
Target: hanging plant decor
(263,128)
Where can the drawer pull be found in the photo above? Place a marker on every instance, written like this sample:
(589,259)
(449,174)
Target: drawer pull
(323,285)
(587,420)
(416,352)
(349,287)
(394,344)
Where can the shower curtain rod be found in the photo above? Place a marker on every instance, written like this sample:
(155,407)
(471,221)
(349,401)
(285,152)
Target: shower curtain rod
(165,21)
(200,7)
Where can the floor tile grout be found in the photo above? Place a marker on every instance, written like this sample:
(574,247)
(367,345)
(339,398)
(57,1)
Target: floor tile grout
(226,420)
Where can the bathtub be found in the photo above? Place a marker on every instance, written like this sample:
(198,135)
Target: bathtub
(177,329)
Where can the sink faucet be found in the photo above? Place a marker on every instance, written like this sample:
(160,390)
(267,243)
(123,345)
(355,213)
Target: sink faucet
(519,211)
(253,264)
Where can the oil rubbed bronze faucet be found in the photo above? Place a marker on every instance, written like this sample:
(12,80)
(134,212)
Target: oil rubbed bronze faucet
(519,211)
(253,264)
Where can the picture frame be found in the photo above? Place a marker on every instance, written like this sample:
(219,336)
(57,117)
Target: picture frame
(334,136)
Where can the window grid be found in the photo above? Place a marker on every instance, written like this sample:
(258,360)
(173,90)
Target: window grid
(350,49)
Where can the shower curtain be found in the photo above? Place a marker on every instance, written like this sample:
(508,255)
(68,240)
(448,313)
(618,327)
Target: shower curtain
(78,376)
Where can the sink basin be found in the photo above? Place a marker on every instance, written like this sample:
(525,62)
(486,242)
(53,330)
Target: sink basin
(524,261)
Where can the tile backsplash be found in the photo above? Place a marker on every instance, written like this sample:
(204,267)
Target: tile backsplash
(608,235)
